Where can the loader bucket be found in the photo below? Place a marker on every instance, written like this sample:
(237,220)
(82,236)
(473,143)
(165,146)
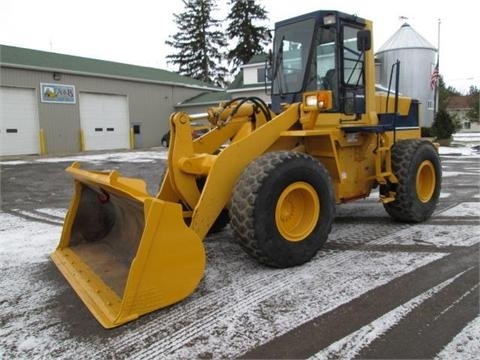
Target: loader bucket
(124,252)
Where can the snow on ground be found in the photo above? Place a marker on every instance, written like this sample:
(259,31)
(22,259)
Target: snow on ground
(243,299)
(297,295)
(456,173)
(239,304)
(437,235)
(462,145)
(351,345)
(464,209)
(132,157)
(461,150)
(28,322)
(466,345)
(24,241)
(472,137)
(232,310)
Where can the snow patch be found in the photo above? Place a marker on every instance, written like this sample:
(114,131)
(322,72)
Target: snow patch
(467,137)
(464,209)
(131,157)
(437,235)
(239,304)
(24,241)
(349,346)
(279,301)
(14,162)
(455,173)
(466,345)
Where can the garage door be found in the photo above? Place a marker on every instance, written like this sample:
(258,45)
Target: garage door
(19,129)
(104,121)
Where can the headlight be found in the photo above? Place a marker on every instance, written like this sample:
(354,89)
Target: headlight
(320,100)
(311,100)
(329,20)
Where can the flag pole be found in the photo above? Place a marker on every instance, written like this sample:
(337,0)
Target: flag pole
(437,67)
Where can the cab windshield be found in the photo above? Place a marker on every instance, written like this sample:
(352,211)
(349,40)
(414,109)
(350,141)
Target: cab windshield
(291,51)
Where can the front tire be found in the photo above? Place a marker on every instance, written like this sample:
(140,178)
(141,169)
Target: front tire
(282,208)
(416,165)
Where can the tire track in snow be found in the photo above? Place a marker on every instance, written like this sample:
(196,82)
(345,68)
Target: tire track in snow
(362,310)
(464,345)
(46,216)
(233,312)
(433,324)
(263,286)
(349,346)
(251,285)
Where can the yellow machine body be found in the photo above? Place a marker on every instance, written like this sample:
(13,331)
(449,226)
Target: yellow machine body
(127,253)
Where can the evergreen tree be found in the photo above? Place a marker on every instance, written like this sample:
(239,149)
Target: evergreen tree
(473,90)
(444,94)
(199,43)
(444,125)
(250,37)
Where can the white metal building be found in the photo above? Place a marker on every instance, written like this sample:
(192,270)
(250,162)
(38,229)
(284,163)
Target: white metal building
(55,103)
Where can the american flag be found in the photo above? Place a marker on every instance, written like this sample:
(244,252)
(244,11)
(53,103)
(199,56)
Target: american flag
(434,78)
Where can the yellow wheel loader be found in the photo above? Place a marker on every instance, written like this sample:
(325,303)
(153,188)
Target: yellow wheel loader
(275,172)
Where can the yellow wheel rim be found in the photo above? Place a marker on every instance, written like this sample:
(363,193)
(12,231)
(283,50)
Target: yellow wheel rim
(297,211)
(426,181)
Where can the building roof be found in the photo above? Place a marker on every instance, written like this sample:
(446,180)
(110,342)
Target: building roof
(406,38)
(237,83)
(460,102)
(258,58)
(205,98)
(16,57)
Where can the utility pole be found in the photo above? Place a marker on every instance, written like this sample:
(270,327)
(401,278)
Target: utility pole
(437,70)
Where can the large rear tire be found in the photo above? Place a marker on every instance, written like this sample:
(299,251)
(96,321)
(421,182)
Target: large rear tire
(282,208)
(417,166)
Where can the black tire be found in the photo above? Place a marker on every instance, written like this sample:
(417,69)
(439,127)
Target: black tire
(220,223)
(416,165)
(259,209)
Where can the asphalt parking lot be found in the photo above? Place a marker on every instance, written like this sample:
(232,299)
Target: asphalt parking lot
(379,289)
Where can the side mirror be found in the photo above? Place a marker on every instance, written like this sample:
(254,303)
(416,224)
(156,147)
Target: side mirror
(364,40)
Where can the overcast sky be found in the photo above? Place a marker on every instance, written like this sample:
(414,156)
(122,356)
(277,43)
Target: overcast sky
(135,31)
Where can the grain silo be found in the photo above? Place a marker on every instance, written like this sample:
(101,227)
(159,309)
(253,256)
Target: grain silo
(417,60)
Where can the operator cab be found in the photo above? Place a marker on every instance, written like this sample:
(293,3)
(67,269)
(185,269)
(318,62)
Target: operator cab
(323,50)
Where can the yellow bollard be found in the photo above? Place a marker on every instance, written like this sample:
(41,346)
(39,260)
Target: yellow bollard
(43,144)
(82,141)
(132,139)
